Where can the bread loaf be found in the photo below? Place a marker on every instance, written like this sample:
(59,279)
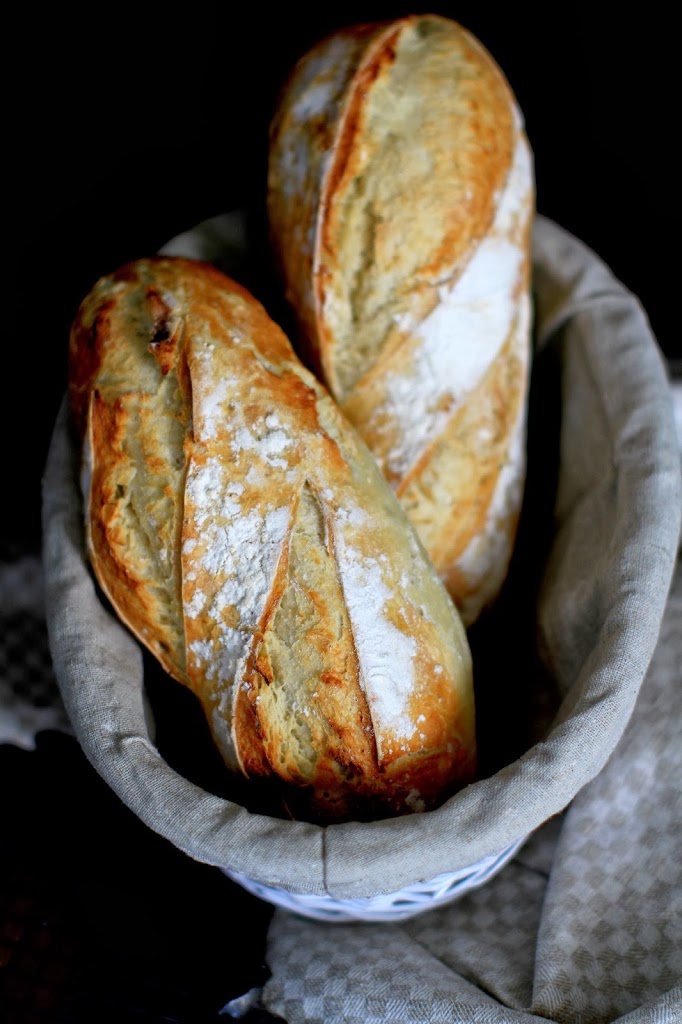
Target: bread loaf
(400,202)
(243,532)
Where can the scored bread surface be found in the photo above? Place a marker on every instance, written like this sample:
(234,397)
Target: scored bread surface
(400,199)
(244,533)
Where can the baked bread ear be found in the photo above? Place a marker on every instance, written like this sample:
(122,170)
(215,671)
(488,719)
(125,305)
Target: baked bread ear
(400,201)
(243,532)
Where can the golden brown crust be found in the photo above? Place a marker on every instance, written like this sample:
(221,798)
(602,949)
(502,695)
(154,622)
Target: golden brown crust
(414,214)
(244,533)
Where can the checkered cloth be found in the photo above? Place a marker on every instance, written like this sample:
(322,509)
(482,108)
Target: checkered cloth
(29,698)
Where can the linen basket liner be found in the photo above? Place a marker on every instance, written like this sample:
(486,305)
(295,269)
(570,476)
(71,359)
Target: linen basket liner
(599,612)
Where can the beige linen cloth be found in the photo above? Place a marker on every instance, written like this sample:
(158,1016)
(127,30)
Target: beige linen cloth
(584,925)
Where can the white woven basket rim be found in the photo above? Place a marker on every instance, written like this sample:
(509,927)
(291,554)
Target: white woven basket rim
(393,906)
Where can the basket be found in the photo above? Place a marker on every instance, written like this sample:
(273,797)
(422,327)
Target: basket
(391,906)
(560,660)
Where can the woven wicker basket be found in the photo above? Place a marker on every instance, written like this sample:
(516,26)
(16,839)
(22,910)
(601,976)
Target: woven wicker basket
(589,603)
(391,906)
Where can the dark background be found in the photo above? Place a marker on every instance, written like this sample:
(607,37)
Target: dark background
(125,124)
